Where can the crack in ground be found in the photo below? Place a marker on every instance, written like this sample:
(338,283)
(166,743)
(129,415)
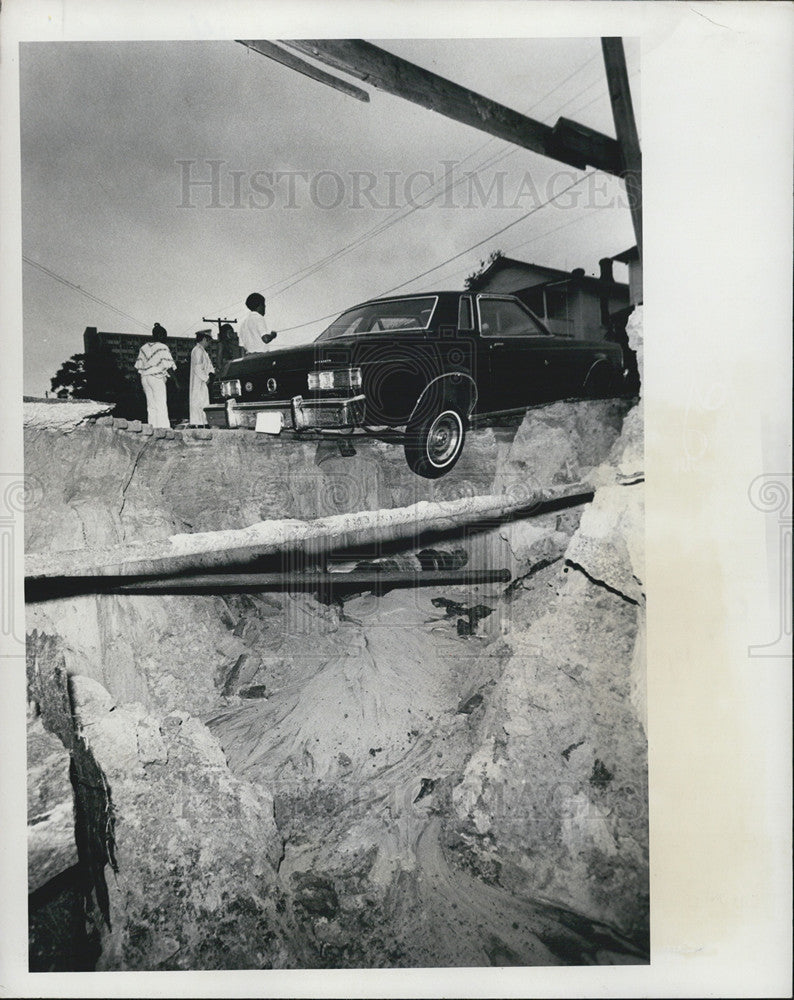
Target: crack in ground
(126,486)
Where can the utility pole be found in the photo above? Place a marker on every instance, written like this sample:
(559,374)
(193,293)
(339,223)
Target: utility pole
(625,129)
(220,322)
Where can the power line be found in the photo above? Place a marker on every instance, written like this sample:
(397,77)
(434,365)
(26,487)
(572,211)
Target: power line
(391,220)
(499,232)
(82,291)
(538,238)
(401,214)
(598,97)
(449,260)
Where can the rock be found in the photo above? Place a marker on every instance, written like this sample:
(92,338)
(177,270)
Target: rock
(110,730)
(179,857)
(558,443)
(565,815)
(51,840)
(253,691)
(608,545)
(242,672)
(172,722)
(151,746)
(62,415)
(315,895)
(89,699)
(634,331)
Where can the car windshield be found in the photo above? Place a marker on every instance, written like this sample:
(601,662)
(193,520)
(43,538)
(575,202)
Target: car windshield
(382,317)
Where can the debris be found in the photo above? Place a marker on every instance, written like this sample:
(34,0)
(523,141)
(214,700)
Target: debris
(468,706)
(253,691)
(569,750)
(428,784)
(601,775)
(315,895)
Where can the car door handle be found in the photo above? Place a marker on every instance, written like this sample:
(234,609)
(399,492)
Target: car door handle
(498,343)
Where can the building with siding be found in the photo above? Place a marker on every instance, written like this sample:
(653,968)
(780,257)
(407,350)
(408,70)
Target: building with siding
(571,303)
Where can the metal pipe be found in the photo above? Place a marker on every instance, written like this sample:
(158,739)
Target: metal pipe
(214,583)
(240,546)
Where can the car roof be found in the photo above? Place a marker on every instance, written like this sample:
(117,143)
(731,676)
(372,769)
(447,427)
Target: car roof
(446,294)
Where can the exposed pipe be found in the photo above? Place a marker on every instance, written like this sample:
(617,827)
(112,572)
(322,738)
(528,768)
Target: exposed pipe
(215,583)
(239,547)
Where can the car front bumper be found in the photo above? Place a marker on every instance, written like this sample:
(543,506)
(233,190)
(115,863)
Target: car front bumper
(296,414)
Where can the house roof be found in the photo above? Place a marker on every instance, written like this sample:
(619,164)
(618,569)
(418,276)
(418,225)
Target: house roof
(627,256)
(502,262)
(553,275)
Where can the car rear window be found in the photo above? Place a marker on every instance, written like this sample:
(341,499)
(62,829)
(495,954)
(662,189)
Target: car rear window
(382,317)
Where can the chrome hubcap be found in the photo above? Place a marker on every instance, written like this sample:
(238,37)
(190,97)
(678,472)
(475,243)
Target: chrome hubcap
(444,437)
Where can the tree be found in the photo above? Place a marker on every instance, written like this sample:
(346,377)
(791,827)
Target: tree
(71,377)
(473,279)
(90,376)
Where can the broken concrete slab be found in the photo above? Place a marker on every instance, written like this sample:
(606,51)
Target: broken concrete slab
(609,544)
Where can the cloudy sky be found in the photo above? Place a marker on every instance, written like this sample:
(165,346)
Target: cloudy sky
(319,200)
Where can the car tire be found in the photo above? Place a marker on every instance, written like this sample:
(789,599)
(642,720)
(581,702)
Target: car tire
(433,445)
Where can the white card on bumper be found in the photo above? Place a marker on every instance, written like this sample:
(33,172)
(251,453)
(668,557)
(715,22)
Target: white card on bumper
(268,422)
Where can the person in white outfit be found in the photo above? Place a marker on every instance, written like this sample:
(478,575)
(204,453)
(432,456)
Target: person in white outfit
(154,364)
(200,371)
(253,333)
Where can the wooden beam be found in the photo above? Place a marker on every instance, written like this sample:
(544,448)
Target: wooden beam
(625,129)
(397,76)
(293,62)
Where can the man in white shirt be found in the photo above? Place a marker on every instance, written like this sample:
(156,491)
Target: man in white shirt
(253,332)
(200,371)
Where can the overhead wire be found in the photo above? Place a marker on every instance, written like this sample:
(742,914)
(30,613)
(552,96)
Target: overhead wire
(456,256)
(82,291)
(535,239)
(403,213)
(498,232)
(406,211)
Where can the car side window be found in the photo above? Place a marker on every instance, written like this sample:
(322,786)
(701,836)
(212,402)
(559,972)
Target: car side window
(506,318)
(465,318)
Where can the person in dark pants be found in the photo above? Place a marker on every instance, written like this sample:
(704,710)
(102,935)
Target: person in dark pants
(229,346)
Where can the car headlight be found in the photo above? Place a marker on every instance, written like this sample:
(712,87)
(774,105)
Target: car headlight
(231,388)
(342,378)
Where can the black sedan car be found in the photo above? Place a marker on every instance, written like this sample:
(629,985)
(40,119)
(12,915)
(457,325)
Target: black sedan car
(432,364)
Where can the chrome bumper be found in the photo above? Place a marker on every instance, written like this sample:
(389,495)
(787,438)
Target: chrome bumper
(296,414)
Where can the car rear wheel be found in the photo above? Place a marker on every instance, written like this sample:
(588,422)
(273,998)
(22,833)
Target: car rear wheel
(433,445)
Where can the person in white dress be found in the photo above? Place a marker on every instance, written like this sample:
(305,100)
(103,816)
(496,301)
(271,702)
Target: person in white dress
(200,370)
(154,364)
(253,333)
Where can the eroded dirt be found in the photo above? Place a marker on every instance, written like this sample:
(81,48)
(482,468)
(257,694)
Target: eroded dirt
(378,749)
(434,776)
